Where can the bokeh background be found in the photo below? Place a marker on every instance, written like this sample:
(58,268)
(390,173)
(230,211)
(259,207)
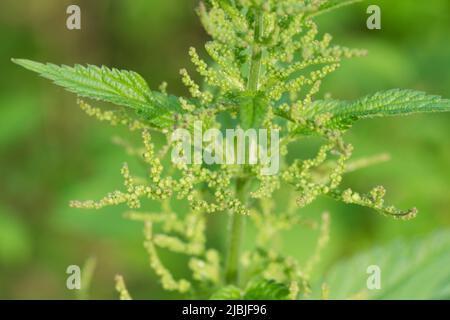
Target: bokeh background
(51,152)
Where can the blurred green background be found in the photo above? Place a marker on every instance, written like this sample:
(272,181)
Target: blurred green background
(51,152)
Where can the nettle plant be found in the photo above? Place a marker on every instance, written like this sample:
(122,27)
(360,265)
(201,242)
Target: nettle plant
(265,67)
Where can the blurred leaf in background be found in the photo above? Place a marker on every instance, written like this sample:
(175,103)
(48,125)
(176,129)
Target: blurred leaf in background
(407,270)
(14,239)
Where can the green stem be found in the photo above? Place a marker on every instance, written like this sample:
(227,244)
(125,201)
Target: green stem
(255,66)
(236,231)
(237,220)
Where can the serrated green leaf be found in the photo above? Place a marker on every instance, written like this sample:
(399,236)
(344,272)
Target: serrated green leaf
(332,5)
(382,104)
(409,270)
(262,289)
(252,109)
(227,293)
(120,87)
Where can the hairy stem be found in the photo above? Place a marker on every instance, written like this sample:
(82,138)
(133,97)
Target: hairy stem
(236,231)
(237,221)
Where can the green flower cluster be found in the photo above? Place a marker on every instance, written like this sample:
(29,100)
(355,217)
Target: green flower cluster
(263,69)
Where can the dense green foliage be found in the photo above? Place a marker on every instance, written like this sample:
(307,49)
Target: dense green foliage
(268,103)
(261,50)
